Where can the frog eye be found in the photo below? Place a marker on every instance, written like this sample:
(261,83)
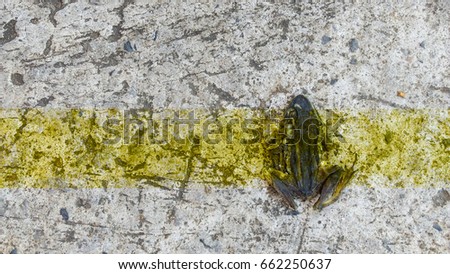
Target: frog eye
(291,112)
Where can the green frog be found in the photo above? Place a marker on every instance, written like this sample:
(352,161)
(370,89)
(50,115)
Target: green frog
(297,170)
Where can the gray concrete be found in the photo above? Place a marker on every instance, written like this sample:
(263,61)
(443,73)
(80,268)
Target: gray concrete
(56,54)
(222,220)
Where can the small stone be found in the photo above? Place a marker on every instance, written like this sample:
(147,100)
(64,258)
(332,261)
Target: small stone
(437,227)
(9,32)
(325,39)
(333,81)
(13,251)
(353,61)
(64,214)
(353,44)
(401,93)
(128,47)
(17,79)
(422,44)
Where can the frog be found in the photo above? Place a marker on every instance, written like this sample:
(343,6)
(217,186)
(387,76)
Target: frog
(296,169)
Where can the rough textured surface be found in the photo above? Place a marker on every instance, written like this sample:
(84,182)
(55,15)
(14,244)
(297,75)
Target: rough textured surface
(135,54)
(221,220)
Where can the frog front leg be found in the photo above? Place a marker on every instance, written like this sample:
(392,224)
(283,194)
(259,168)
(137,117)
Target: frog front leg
(283,179)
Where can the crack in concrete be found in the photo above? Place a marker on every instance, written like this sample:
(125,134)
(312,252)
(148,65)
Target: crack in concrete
(380,100)
(302,236)
(117,29)
(54,6)
(205,245)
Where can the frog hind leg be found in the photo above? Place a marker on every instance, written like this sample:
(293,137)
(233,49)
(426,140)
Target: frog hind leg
(285,188)
(333,185)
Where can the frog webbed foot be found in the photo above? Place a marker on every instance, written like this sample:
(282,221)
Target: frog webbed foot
(335,182)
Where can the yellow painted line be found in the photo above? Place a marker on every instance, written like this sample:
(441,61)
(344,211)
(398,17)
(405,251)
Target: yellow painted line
(86,148)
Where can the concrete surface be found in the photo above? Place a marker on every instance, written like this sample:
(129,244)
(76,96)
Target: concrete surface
(140,54)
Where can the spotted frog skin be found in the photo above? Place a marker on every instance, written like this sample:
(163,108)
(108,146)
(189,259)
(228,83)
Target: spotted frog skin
(296,170)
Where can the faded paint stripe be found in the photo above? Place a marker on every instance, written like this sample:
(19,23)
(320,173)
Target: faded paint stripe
(43,148)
